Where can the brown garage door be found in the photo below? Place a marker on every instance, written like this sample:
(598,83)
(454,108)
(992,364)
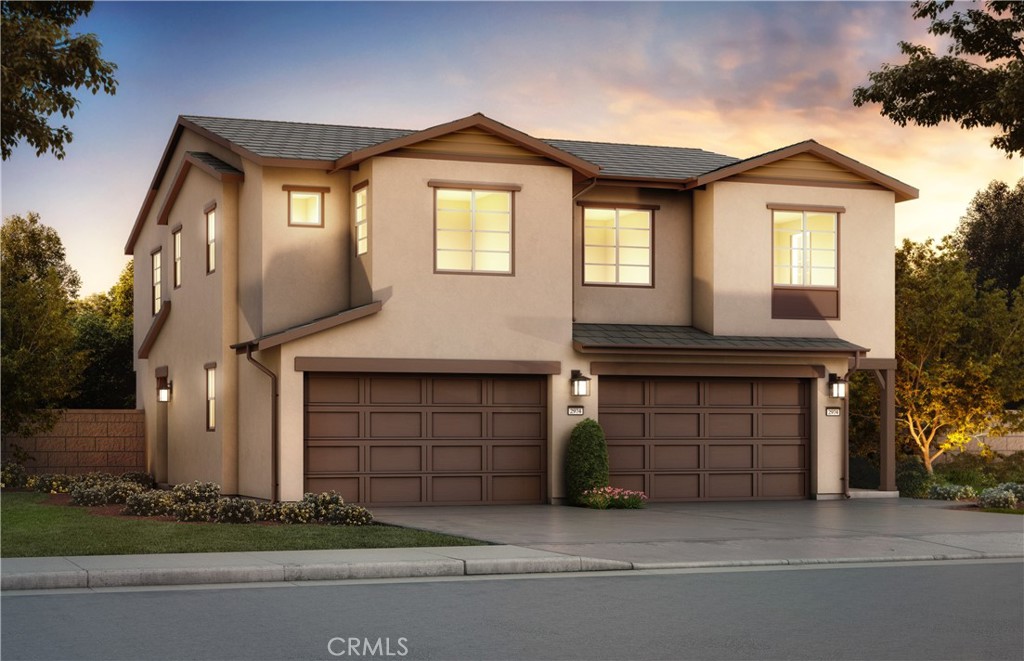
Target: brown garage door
(383,439)
(682,439)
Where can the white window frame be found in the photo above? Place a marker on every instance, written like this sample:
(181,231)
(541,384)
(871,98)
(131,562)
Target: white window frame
(176,257)
(473,231)
(156,271)
(361,213)
(211,240)
(802,252)
(617,246)
(211,397)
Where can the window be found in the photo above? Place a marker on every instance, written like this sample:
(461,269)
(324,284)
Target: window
(805,248)
(362,221)
(617,246)
(211,397)
(211,240)
(176,240)
(306,205)
(157,299)
(473,230)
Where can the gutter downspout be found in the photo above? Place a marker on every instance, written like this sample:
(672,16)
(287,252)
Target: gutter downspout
(274,486)
(846,427)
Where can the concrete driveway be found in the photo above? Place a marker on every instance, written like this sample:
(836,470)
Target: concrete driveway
(754,532)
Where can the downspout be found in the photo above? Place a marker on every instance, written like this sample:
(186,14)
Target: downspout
(274,486)
(846,427)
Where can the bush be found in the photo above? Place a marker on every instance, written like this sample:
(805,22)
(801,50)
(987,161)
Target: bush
(997,498)
(297,512)
(13,474)
(347,515)
(90,480)
(139,477)
(586,461)
(613,498)
(191,511)
(90,496)
(1016,488)
(234,510)
(54,482)
(118,491)
(912,478)
(951,492)
(967,469)
(323,502)
(268,511)
(149,503)
(196,492)
(1009,468)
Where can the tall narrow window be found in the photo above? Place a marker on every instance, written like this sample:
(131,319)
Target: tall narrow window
(211,398)
(157,298)
(617,246)
(176,239)
(211,240)
(362,222)
(473,230)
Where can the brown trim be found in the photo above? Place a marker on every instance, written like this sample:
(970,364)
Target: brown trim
(473,158)
(711,369)
(819,183)
(426,365)
(511,238)
(210,366)
(154,187)
(172,194)
(479,121)
(780,206)
(155,251)
(225,177)
(321,190)
(793,301)
(311,328)
(154,330)
(210,206)
(306,189)
(650,350)
(361,185)
(618,205)
(210,268)
(176,228)
(473,185)
(583,248)
(646,182)
(874,364)
(253,156)
(161,372)
(175,256)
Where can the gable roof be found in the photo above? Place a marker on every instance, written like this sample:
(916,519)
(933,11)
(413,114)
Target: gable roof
(644,161)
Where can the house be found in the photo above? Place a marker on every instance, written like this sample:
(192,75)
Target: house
(409,317)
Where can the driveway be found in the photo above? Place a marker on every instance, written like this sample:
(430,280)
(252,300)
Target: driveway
(755,532)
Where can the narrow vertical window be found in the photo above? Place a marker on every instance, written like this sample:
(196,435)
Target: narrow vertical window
(211,398)
(362,222)
(157,299)
(211,240)
(176,238)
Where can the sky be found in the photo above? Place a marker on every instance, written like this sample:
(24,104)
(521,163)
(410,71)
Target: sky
(735,78)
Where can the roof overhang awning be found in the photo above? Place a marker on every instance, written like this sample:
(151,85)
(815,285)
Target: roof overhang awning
(308,328)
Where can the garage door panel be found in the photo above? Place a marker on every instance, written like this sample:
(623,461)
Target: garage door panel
(395,424)
(626,457)
(389,390)
(332,424)
(404,489)
(457,488)
(729,393)
(517,488)
(675,425)
(783,485)
(783,425)
(518,392)
(529,424)
(457,458)
(633,482)
(730,456)
(348,487)
(665,486)
(517,458)
(457,391)
(675,393)
(783,456)
(328,389)
(730,425)
(395,458)
(673,457)
(623,392)
(623,425)
(730,485)
(783,393)
(457,425)
(332,459)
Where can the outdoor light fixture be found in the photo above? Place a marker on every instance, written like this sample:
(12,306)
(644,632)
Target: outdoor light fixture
(579,384)
(163,389)
(836,387)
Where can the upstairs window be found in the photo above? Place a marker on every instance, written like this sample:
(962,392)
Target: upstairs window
(617,246)
(473,230)
(176,249)
(157,298)
(362,220)
(805,248)
(211,240)
(306,205)
(211,396)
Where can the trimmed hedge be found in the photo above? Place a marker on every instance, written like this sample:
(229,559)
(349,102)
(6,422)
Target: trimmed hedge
(586,460)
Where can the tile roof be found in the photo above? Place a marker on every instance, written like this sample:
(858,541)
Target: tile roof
(214,162)
(273,139)
(632,336)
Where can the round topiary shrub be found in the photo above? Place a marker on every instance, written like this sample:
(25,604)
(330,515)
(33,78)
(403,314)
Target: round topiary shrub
(951,492)
(586,460)
(149,503)
(997,498)
(234,510)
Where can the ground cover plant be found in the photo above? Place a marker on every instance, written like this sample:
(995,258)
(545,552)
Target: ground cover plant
(991,483)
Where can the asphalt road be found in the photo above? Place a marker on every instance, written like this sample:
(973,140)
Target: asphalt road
(944,610)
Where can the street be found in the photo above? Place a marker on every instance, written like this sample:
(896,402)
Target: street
(935,610)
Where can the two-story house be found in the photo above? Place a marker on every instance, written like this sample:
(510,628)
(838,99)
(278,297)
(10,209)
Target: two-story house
(413,316)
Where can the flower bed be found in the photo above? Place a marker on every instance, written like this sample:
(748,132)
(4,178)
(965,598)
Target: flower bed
(604,498)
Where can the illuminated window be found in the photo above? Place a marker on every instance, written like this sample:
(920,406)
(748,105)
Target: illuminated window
(617,246)
(362,222)
(473,230)
(176,240)
(157,300)
(211,240)
(805,248)
(306,208)
(211,398)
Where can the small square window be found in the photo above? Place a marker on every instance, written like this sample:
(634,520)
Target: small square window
(306,208)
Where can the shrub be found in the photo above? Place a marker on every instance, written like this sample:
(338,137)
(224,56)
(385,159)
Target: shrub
(347,515)
(149,503)
(297,512)
(118,491)
(967,469)
(268,511)
(13,474)
(139,477)
(613,498)
(90,496)
(1016,488)
(912,478)
(323,502)
(90,480)
(196,492)
(951,492)
(234,510)
(586,461)
(997,498)
(191,511)
(54,482)
(1009,468)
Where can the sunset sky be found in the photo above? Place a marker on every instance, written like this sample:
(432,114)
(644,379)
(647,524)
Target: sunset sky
(734,78)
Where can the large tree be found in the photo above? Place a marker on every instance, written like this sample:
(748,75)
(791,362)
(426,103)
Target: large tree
(43,64)
(959,350)
(979,82)
(991,234)
(39,365)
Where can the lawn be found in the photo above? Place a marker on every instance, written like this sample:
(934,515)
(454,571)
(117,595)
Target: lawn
(31,527)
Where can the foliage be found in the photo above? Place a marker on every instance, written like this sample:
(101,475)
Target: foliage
(13,474)
(139,477)
(929,89)
(586,461)
(102,489)
(43,62)
(991,234)
(54,482)
(322,502)
(996,497)
(1016,488)
(39,366)
(951,492)
(193,511)
(91,496)
(149,503)
(968,469)
(234,510)
(613,498)
(196,492)
(1009,468)
(960,352)
(912,479)
(297,512)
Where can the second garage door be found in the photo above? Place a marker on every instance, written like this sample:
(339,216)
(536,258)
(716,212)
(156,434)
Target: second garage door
(384,439)
(680,439)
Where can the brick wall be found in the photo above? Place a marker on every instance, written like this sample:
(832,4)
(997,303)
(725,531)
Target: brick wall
(88,440)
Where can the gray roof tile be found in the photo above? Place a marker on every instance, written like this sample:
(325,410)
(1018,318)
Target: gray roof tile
(214,162)
(687,337)
(618,160)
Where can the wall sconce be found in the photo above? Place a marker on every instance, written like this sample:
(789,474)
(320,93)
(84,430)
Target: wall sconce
(836,387)
(163,389)
(579,384)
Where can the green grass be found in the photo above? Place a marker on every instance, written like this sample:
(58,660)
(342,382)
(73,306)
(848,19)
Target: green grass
(1002,510)
(31,528)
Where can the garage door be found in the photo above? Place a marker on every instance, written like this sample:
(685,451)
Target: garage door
(682,439)
(426,439)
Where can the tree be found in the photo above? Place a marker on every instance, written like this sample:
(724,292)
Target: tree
(103,328)
(39,366)
(930,89)
(991,234)
(42,64)
(959,351)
